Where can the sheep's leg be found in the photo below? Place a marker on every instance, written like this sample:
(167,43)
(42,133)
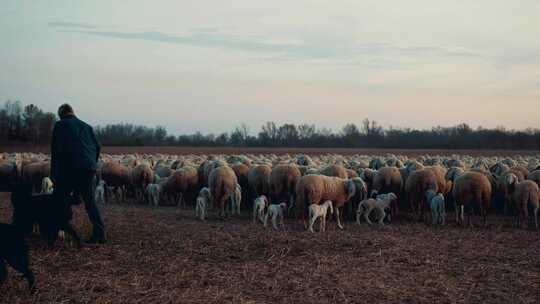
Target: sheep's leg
(358,214)
(322,226)
(312,220)
(366,215)
(536,217)
(274,221)
(381,218)
(254,214)
(265,222)
(434,217)
(338,220)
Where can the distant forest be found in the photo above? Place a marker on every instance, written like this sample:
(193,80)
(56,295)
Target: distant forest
(28,124)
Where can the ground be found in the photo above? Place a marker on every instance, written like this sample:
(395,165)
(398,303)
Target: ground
(164,255)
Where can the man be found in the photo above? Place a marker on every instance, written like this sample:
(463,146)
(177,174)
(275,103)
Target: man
(74,155)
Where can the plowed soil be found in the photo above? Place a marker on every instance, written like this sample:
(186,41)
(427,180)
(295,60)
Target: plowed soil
(164,255)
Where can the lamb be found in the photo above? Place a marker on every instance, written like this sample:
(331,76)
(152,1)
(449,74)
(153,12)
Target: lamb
(275,211)
(14,251)
(201,205)
(46,185)
(319,211)
(259,206)
(236,200)
(437,206)
(100,192)
(381,203)
(153,191)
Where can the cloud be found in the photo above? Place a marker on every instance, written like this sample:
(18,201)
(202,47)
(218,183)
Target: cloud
(79,25)
(305,49)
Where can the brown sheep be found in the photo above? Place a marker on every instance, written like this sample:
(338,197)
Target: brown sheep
(470,188)
(521,172)
(33,173)
(117,176)
(416,187)
(141,176)
(386,180)
(259,180)
(222,184)
(351,173)
(525,193)
(183,182)
(335,170)
(283,179)
(505,187)
(316,189)
(206,167)
(367,175)
(534,176)
(440,173)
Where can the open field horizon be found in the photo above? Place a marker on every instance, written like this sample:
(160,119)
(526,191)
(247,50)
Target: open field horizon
(276,150)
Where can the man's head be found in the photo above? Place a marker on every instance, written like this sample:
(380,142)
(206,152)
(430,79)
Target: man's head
(65,110)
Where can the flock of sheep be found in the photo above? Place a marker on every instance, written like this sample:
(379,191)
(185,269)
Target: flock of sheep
(355,187)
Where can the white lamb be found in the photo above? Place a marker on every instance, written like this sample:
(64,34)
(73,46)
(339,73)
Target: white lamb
(319,211)
(381,203)
(202,203)
(153,191)
(275,211)
(236,200)
(438,208)
(259,206)
(46,185)
(100,192)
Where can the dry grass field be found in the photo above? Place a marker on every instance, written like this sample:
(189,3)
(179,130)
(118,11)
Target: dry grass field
(164,255)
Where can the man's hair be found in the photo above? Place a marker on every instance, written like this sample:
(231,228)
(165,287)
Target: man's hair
(65,110)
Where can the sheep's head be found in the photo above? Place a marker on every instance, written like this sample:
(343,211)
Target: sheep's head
(283,206)
(510,179)
(453,173)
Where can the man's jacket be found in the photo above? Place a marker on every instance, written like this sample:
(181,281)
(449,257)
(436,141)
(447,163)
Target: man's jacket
(74,149)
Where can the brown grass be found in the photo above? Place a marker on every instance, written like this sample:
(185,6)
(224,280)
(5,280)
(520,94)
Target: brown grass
(164,255)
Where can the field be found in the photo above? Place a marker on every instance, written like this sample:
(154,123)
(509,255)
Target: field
(285,150)
(164,255)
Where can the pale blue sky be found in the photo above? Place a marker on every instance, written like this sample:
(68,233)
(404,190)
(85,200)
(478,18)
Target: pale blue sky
(209,65)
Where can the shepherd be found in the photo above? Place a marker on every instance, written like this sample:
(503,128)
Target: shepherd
(74,156)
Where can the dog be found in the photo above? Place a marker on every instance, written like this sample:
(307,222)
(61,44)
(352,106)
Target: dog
(14,251)
(41,209)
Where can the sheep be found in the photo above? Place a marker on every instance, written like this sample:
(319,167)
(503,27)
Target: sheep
(259,179)
(202,202)
(381,203)
(183,182)
(34,172)
(275,211)
(222,184)
(259,206)
(236,200)
(525,194)
(416,185)
(100,192)
(315,189)
(283,179)
(14,251)
(471,187)
(46,185)
(438,207)
(116,176)
(335,170)
(153,192)
(319,211)
(140,177)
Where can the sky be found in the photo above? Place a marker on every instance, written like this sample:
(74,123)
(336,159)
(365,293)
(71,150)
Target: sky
(210,65)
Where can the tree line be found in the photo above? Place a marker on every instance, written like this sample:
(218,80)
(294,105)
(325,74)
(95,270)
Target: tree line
(28,124)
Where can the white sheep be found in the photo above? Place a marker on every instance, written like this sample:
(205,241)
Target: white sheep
(438,208)
(236,200)
(259,206)
(319,211)
(380,203)
(153,192)
(201,206)
(46,185)
(275,211)
(100,192)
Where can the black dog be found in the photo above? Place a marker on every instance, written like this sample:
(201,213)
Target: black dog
(50,216)
(14,251)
